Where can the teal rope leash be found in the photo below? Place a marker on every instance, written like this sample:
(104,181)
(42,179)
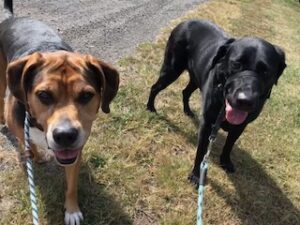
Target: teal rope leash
(203,169)
(204,163)
(202,180)
(34,208)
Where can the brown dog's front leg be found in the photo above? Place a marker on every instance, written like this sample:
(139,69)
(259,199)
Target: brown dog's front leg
(73,214)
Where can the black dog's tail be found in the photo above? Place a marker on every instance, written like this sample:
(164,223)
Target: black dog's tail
(8,8)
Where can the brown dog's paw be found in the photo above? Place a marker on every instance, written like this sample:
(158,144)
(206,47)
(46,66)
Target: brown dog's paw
(73,215)
(73,218)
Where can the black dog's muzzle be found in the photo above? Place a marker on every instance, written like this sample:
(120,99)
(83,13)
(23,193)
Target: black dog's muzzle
(243,74)
(243,90)
(251,74)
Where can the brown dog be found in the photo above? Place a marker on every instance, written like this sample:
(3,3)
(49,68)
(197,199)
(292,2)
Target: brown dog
(61,90)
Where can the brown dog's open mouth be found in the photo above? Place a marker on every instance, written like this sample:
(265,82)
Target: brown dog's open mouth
(67,157)
(234,116)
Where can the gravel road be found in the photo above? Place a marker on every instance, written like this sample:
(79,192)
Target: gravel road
(109,29)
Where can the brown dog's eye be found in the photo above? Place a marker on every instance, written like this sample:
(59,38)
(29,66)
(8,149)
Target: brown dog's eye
(45,97)
(85,97)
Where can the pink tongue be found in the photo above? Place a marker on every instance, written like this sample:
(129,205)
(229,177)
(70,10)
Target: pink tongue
(234,116)
(66,154)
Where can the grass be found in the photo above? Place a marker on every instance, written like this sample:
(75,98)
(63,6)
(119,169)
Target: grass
(136,163)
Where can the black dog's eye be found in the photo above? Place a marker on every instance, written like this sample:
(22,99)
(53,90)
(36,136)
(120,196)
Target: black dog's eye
(84,97)
(45,97)
(262,69)
(265,73)
(236,65)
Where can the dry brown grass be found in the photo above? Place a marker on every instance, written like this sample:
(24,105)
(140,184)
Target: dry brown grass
(136,163)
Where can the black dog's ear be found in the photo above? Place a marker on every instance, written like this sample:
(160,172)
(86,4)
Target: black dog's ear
(282,64)
(109,80)
(20,75)
(221,52)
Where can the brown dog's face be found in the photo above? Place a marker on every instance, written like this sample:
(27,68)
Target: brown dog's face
(63,92)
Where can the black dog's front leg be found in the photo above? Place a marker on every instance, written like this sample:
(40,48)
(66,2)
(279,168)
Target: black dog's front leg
(233,135)
(204,133)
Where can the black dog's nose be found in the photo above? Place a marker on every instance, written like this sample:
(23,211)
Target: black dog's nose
(65,137)
(245,101)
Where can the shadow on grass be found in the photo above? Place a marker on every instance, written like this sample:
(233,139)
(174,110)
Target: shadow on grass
(258,199)
(98,206)
(189,136)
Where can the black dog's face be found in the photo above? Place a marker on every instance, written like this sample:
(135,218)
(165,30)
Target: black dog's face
(252,66)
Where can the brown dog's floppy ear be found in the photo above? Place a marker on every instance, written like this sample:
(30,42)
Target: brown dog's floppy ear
(282,64)
(109,81)
(20,74)
(111,86)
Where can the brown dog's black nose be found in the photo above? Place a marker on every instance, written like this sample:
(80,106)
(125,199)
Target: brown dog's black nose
(65,137)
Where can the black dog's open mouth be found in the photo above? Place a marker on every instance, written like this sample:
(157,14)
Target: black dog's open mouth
(234,116)
(67,157)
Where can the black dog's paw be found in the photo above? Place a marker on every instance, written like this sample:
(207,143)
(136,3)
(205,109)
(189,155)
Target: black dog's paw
(151,108)
(227,165)
(190,114)
(194,179)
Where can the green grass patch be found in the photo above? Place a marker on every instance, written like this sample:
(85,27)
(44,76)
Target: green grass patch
(136,163)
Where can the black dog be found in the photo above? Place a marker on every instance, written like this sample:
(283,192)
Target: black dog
(237,73)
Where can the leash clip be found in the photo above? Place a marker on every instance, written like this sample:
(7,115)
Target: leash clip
(212,138)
